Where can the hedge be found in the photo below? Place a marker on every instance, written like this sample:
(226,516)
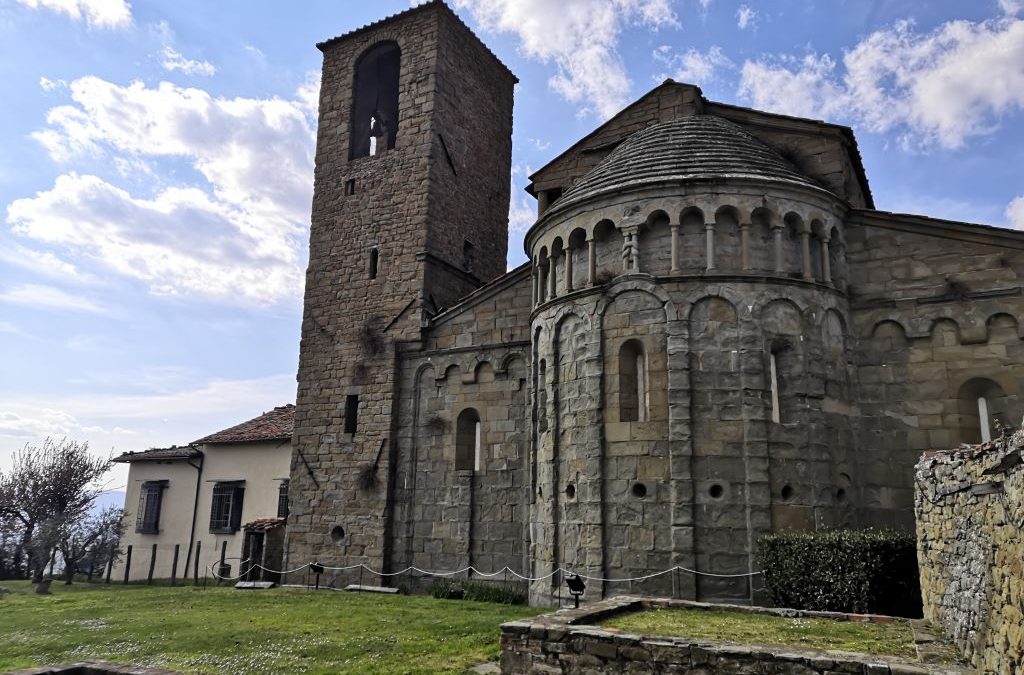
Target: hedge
(860,571)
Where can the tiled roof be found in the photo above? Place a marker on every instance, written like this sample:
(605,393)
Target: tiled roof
(270,426)
(689,148)
(154,454)
(264,524)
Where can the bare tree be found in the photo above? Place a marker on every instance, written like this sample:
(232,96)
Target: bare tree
(100,532)
(49,487)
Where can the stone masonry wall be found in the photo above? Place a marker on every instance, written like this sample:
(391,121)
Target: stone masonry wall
(356,323)
(474,356)
(935,325)
(970,515)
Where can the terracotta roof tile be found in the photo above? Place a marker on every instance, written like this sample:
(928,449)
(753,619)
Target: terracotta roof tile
(154,454)
(270,426)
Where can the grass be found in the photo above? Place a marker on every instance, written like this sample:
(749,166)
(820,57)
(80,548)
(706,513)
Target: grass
(222,630)
(883,639)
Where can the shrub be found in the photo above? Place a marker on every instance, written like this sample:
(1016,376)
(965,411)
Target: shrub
(483,591)
(861,571)
(446,590)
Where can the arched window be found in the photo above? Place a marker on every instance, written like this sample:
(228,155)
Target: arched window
(982,403)
(375,100)
(632,382)
(467,441)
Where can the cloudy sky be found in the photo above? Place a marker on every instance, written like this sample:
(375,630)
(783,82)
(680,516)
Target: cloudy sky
(156,171)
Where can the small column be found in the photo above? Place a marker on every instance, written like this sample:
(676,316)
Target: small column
(568,270)
(627,250)
(591,261)
(805,250)
(777,231)
(635,257)
(552,290)
(826,264)
(675,247)
(745,246)
(709,233)
(536,283)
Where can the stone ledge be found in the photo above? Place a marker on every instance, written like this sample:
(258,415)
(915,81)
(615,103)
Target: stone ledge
(571,639)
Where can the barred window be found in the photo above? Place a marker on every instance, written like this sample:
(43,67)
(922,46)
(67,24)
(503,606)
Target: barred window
(282,500)
(226,510)
(147,520)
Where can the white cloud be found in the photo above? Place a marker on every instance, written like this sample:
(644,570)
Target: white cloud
(1015,213)
(9,328)
(95,13)
(48,297)
(173,60)
(1011,7)
(180,242)
(800,87)
(580,37)
(110,421)
(937,88)
(692,66)
(46,84)
(522,209)
(40,262)
(745,17)
(239,236)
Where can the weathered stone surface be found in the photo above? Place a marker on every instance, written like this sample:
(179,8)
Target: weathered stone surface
(688,361)
(971,551)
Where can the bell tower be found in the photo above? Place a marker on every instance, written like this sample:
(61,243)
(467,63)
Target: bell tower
(410,214)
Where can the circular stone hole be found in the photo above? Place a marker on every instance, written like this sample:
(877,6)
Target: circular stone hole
(337,534)
(716,491)
(787,492)
(570,490)
(639,490)
(840,495)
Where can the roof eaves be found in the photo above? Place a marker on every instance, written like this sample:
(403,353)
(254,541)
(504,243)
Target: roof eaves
(847,132)
(430,4)
(979,233)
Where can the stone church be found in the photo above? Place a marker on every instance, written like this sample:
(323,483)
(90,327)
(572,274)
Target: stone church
(716,336)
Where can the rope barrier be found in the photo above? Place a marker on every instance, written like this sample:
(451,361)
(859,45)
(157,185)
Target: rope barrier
(470,569)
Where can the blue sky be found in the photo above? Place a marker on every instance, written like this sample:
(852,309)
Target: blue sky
(156,170)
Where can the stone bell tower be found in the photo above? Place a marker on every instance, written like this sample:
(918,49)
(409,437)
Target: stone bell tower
(410,213)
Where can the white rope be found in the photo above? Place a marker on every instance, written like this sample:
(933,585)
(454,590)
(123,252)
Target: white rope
(509,570)
(219,577)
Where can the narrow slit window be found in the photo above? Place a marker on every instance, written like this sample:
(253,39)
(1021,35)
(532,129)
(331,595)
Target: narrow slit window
(773,374)
(633,403)
(374,262)
(282,499)
(467,441)
(351,413)
(350,187)
(984,421)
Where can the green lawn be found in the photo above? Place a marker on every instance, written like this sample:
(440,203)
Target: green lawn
(222,630)
(884,639)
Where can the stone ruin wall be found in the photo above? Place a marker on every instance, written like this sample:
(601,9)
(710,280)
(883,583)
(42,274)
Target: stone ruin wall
(970,515)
